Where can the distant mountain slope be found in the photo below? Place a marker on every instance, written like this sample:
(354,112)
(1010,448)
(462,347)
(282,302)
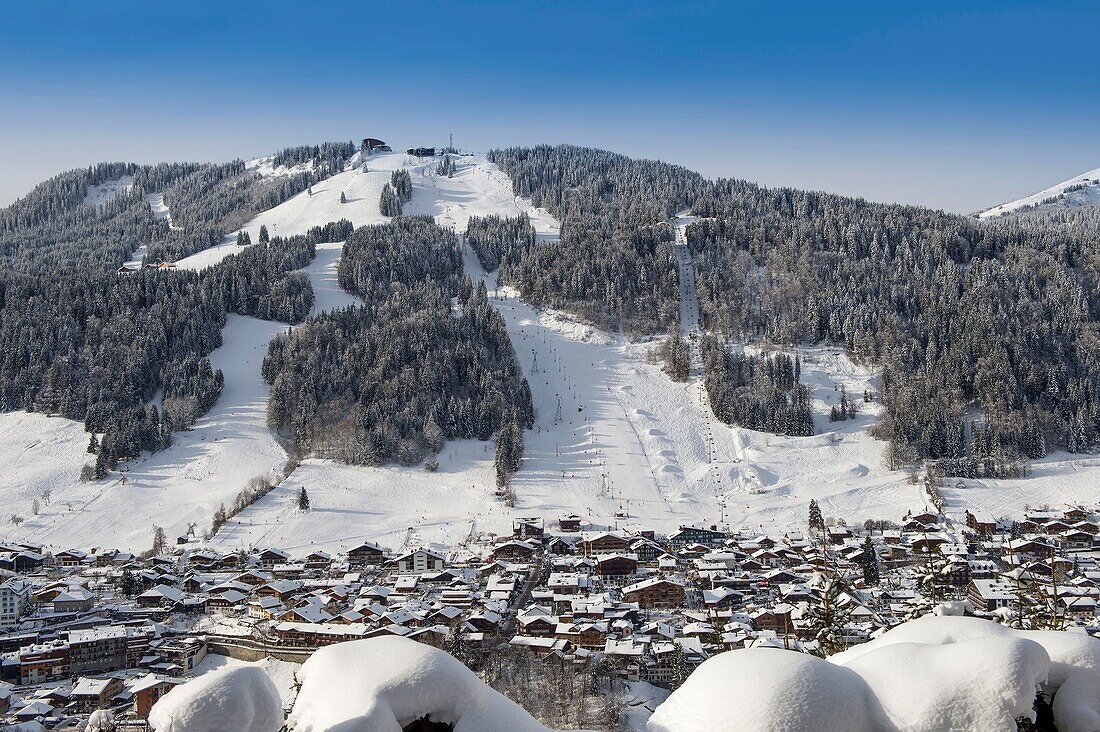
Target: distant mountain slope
(1082,190)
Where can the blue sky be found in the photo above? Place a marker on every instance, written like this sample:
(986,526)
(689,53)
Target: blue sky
(955,105)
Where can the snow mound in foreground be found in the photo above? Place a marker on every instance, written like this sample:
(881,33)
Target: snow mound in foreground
(1067,649)
(1077,703)
(983,684)
(974,682)
(382,684)
(766,689)
(235,699)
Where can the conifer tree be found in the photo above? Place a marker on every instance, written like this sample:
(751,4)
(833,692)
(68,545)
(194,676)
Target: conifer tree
(303,499)
(870,563)
(816,520)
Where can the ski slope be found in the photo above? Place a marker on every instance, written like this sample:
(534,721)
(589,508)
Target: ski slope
(185,483)
(1082,190)
(630,448)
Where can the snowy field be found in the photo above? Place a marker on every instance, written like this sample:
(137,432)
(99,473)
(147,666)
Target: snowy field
(104,192)
(629,448)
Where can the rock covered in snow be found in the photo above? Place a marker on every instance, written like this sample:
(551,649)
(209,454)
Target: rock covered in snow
(382,684)
(981,684)
(235,699)
(766,689)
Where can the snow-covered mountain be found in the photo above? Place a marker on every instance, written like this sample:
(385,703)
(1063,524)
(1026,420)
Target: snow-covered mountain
(614,439)
(1081,190)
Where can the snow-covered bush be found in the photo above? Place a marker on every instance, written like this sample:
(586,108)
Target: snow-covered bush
(383,684)
(240,699)
(935,673)
(100,721)
(767,689)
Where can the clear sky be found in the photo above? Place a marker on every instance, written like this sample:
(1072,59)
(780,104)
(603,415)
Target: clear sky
(958,105)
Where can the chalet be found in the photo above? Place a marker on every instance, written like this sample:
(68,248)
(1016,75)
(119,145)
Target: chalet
(225,601)
(661,668)
(75,600)
(569,524)
(318,560)
(926,543)
(147,691)
(420,560)
(366,554)
(990,595)
(1075,514)
(280,589)
(270,557)
(21,562)
(264,608)
(373,144)
(607,542)
(528,528)
(160,596)
(1026,551)
(43,662)
(695,535)
(558,545)
(91,694)
(655,593)
(583,634)
(721,597)
(617,569)
(538,625)
(958,571)
(982,522)
(1076,540)
(513,550)
(252,578)
(647,550)
(568,583)
(70,558)
(229,559)
(308,613)
(541,646)
(421,152)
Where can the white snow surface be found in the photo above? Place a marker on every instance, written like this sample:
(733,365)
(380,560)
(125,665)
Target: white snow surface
(234,699)
(382,684)
(1057,196)
(766,690)
(99,195)
(1077,705)
(935,673)
(281,673)
(980,685)
(1067,649)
